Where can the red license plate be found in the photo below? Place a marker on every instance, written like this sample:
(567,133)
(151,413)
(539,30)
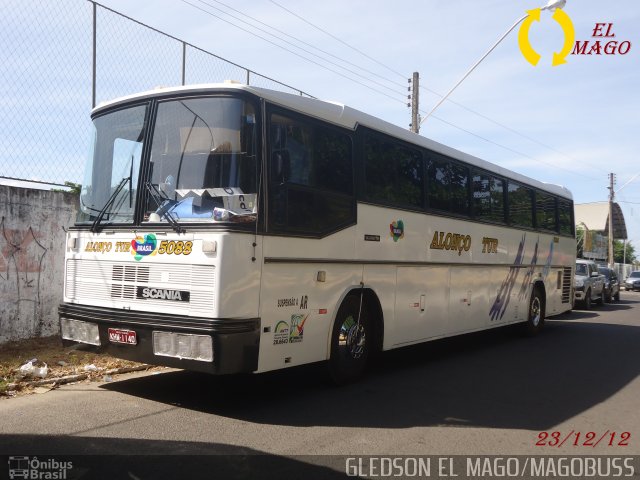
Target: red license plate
(123,336)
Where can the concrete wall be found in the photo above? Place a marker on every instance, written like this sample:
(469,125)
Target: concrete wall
(32,246)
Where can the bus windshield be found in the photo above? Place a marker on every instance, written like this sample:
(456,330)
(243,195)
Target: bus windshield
(111,177)
(203,165)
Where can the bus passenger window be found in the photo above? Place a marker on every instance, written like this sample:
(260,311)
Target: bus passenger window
(488,198)
(393,173)
(311,177)
(459,189)
(520,205)
(545,211)
(292,140)
(565,215)
(447,185)
(438,180)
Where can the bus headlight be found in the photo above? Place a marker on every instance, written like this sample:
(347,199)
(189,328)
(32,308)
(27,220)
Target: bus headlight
(183,345)
(83,332)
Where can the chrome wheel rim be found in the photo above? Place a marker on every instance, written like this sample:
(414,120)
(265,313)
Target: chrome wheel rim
(352,338)
(536,311)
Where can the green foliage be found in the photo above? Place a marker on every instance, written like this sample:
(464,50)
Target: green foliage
(619,254)
(73,188)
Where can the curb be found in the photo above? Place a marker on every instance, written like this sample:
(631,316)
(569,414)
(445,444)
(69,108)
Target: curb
(75,378)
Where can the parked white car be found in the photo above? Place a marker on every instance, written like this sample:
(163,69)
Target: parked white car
(588,283)
(632,282)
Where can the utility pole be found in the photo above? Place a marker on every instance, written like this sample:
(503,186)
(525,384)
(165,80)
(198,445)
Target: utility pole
(415,102)
(611,197)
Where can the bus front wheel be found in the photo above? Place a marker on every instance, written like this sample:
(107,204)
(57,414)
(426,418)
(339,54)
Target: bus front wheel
(535,318)
(351,341)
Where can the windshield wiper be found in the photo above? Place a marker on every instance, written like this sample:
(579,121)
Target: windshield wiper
(112,198)
(156,194)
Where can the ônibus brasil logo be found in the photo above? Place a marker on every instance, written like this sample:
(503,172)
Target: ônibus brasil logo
(144,246)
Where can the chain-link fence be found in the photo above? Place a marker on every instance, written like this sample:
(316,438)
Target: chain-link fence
(61,58)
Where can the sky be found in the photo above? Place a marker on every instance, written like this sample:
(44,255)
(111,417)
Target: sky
(570,124)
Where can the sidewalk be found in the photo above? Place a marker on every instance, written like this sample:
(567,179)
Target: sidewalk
(64,365)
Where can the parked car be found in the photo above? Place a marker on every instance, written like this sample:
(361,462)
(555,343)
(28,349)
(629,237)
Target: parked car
(611,284)
(633,281)
(588,283)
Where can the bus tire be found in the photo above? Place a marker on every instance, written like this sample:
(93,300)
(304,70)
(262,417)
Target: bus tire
(535,316)
(351,343)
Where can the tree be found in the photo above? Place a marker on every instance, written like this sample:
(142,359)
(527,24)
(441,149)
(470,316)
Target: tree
(618,252)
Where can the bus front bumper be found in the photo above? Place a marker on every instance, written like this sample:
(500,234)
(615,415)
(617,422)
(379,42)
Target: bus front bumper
(212,345)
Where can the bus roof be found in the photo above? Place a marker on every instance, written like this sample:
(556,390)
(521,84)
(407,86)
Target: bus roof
(342,115)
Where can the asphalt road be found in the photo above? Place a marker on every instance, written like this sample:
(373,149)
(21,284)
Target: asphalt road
(491,393)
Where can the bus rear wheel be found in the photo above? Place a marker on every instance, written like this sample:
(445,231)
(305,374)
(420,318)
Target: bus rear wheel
(351,341)
(535,318)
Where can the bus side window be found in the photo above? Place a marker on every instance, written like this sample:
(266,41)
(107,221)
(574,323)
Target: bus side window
(438,180)
(291,147)
(280,165)
(393,172)
(459,181)
(488,197)
(311,177)
(546,212)
(565,214)
(520,201)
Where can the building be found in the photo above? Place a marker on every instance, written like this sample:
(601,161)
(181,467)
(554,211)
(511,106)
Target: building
(593,220)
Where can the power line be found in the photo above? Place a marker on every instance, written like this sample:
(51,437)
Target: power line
(339,40)
(495,122)
(510,149)
(510,129)
(281,39)
(131,19)
(356,73)
(370,72)
(290,51)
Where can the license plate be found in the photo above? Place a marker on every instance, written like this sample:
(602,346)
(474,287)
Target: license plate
(123,336)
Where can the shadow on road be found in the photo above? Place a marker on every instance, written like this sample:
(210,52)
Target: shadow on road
(596,311)
(491,379)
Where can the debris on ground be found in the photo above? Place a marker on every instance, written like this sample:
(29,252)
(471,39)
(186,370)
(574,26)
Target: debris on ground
(42,364)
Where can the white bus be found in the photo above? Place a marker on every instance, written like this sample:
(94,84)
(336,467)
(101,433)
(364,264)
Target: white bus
(226,228)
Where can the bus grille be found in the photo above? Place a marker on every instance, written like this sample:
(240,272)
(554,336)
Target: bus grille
(566,285)
(117,282)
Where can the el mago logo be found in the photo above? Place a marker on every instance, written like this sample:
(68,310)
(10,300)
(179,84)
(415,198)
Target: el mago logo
(144,246)
(527,50)
(602,43)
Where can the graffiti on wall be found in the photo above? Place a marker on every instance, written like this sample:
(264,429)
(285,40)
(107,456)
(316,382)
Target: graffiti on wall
(21,264)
